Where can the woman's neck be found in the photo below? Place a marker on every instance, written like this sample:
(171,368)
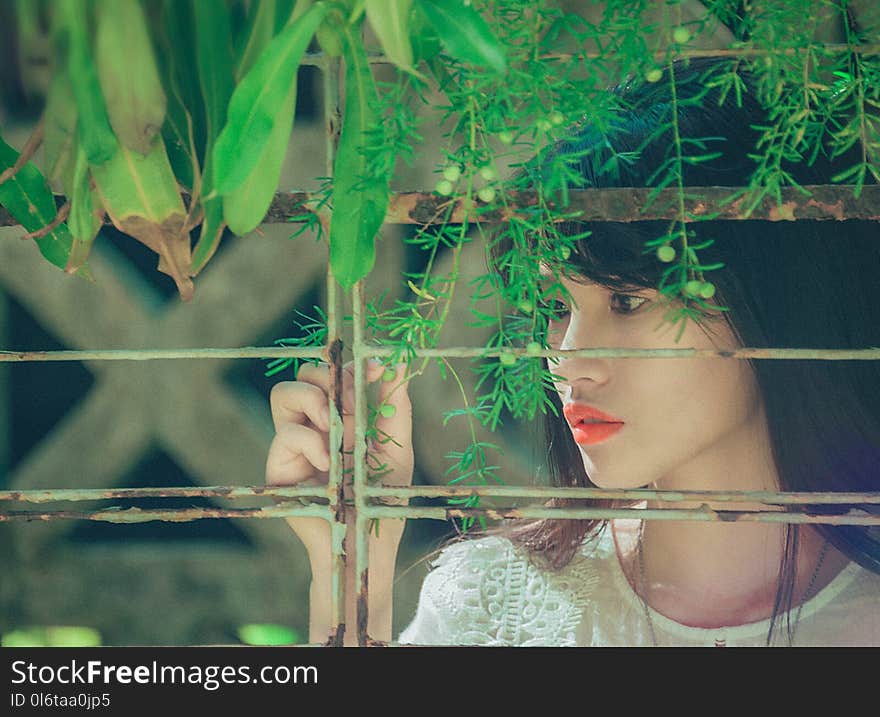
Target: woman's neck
(712,573)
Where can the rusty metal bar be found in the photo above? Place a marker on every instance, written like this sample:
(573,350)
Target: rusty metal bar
(316,58)
(360,466)
(226,492)
(369,351)
(408,492)
(828,202)
(368,512)
(330,70)
(704,513)
(256,352)
(671,496)
(179,515)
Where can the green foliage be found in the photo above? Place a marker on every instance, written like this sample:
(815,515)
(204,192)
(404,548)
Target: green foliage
(360,193)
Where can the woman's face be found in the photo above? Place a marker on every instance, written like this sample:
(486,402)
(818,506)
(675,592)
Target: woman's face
(685,421)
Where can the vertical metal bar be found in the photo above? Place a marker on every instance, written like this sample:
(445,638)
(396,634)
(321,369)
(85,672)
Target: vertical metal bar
(360,465)
(5,385)
(330,69)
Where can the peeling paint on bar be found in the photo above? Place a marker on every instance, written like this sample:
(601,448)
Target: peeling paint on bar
(828,202)
(866,354)
(703,513)
(182,515)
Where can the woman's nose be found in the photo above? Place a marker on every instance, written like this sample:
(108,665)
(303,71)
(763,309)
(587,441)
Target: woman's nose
(577,368)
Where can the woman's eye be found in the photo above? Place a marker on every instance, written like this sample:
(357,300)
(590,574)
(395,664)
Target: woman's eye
(630,303)
(556,309)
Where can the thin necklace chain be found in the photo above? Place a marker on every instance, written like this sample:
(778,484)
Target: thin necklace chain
(643,583)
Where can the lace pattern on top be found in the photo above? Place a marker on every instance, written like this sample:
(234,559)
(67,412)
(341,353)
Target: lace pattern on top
(488,592)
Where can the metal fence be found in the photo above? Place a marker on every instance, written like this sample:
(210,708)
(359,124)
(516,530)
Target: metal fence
(372,502)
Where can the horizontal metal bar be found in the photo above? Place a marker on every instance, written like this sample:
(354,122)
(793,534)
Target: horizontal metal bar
(318,59)
(182,515)
(432,491)
(227,492)
(257,352)
(827,202)
(866,354)
(700,514)
(703,513)
(671,496)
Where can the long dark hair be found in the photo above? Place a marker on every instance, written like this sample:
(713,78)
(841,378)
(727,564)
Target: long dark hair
(787,284)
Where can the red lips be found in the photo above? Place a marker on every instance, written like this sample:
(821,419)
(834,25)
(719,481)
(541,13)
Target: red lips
(576,413)
(583,431)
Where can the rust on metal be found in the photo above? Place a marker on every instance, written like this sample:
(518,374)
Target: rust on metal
(362,609)
(827,202)
(115,514)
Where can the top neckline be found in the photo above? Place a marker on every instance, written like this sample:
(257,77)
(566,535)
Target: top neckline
(731,632)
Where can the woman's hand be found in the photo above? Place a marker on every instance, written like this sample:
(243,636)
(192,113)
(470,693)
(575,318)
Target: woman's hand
(299,453)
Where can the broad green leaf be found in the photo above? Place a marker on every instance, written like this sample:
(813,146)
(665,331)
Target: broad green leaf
(59,133)
(132,89)
(426,44)
(140,195)
(83,221)
(360,200)
(215,62)
(390,20)
(328,38)
(254,108)
(28,198)
(245,207)
(284,13)
(72,32)
(260,34)
(465,34)
(176,36)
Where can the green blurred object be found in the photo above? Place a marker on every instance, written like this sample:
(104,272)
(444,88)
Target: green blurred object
(267,634)
(52,636)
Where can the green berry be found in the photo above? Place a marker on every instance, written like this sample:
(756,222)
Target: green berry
(665,253)
(387,410)
(486,194)
(653,75)
(389,375)
(452,173)
(564,253)
(707,291)
(443,187)
(533,348)
(557,118)
(505,137)
(507,359)
(525,306)
(692,288)
(681,35)
(543,125)
(488,173)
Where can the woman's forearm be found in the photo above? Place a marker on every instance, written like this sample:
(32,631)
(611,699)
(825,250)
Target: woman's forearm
(382,561)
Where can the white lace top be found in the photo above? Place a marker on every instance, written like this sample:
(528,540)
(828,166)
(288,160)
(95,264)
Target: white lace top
(487,592)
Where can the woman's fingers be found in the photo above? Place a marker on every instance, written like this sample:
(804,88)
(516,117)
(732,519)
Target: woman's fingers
(295,401)
(295,455)
(292,402)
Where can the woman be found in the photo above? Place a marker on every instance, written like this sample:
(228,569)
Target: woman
(670,424)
